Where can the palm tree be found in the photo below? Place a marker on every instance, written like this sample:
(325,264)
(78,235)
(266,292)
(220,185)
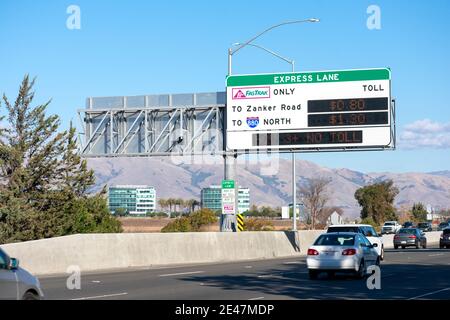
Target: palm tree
(162,203)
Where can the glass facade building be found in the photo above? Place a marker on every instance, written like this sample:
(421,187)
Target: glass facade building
(211,198)
(134,199)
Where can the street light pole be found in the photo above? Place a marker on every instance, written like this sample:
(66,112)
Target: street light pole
(231,52)
(294,185)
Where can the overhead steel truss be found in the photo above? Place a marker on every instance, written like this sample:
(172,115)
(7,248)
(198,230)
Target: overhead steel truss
(162,125)
(120,130)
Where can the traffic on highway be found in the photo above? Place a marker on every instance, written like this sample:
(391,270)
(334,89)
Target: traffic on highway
(342,257)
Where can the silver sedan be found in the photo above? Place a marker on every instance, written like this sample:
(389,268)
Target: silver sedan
(341,252)
(17,283)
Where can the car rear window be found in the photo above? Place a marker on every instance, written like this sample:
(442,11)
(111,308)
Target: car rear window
(408,231)
(443,224)
(335,240)
(343,229)
(446,231)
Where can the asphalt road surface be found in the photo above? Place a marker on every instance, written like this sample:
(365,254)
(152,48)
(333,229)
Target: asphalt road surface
(405,274)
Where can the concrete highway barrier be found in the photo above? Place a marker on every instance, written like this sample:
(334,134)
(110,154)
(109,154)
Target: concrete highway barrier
(95,252)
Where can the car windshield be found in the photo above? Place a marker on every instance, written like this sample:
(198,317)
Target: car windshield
(389,223)
(342,229)
(423,224)
(407,231)
(335,240)
(443,224)
(446,231)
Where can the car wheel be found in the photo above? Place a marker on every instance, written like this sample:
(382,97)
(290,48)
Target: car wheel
(378,262)
(382,253)
(395,247)
(441,246)
(361,270)
(403,247)
(313,274)
(424,246)
(30,296)
(418,245)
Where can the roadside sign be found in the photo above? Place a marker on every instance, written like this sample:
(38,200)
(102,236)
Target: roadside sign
(228,197)
(240,222)
(310,110)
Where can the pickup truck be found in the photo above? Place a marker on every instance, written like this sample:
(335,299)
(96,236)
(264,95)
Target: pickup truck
(390,227)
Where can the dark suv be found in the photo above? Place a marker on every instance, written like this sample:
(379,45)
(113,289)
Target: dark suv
(408,224)
(444,242)
(425,226)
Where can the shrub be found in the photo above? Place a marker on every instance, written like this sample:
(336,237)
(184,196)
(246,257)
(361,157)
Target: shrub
(191,223)
(258,225)
(370,221)
(182,224)
(202,217)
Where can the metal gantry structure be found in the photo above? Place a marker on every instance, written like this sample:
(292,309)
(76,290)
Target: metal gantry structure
(153,125)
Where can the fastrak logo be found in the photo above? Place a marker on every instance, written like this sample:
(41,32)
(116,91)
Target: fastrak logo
(251,93)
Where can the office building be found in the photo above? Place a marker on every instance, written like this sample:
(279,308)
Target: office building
(133,199)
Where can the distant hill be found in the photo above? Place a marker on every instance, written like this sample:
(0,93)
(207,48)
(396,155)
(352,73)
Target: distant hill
(173,179)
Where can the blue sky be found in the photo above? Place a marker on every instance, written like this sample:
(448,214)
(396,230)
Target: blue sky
(144,47)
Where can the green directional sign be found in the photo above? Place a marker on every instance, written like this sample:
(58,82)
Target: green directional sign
(309,77)
(228,184)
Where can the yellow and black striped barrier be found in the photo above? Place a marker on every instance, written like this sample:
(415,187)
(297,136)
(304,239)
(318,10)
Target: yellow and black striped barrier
(240,222)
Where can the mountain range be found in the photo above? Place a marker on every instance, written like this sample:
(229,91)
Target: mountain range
(269,180)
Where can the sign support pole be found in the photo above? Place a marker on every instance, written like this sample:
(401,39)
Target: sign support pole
(294,194)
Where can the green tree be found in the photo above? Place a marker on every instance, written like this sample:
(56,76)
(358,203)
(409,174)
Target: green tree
(120,212)
(419,212)
(377,201)
(42,175)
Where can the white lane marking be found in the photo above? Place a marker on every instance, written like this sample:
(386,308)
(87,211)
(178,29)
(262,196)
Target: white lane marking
(293,262)
(257,298)
(96,281)
(267,276)
(103,296)
(248,267)
(436,255)
(429,294)
(180,274)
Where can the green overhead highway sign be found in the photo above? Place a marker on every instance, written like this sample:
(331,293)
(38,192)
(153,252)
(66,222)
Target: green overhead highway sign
(342,109)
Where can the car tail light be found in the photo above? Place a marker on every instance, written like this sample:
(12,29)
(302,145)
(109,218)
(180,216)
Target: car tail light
(349,252)
(412,237)
(313,252)
(397,237)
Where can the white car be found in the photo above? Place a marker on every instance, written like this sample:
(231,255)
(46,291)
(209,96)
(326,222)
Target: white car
(365,229)
(15,282)
(341,252)
(390,227)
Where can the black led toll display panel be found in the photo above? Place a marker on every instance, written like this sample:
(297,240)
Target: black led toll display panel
(348,119)
(337,105)
(307,138)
